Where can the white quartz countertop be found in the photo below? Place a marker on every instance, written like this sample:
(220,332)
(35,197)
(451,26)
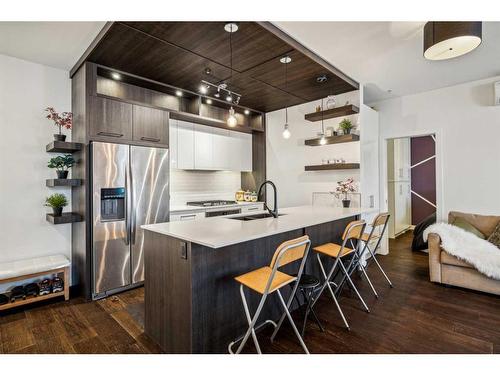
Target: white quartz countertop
(223,231)
(184,207)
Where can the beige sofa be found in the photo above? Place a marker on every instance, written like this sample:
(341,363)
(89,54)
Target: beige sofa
(447,269)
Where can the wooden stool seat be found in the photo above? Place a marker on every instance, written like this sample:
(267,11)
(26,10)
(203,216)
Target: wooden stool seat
(333,250)
(257,279)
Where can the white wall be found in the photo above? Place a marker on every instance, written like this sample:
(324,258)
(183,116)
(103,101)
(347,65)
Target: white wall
(286,158)
(467,125)
(26,89)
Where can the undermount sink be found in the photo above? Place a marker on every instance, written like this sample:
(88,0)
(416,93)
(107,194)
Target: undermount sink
(253,217)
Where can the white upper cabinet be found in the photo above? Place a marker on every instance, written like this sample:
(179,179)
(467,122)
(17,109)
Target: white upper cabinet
(185,145)
(246,152)
(173,143)
(221,146)
(201,147)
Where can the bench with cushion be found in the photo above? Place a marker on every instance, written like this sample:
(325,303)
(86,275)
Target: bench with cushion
(23,270)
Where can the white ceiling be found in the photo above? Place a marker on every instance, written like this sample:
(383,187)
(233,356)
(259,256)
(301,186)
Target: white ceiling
(56,44)
(389,55)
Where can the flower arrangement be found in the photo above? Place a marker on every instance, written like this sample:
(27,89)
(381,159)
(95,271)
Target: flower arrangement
(62,120)
(345,187)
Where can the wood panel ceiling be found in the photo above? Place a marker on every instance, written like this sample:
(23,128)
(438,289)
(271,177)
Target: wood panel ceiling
(178,53)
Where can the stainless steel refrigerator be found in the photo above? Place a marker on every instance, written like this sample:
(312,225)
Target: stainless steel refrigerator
(130,187)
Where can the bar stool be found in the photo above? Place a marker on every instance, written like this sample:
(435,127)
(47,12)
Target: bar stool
(353,231)
(307,287)
(380,221)
(267,280)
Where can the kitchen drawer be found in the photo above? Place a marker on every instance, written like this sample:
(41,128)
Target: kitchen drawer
(187,216)
(251,208)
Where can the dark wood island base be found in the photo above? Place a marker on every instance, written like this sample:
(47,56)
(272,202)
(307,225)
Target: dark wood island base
(192,303)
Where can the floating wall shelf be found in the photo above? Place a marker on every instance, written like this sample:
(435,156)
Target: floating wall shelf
(333,140)
(65,218)
(53,182)
(329,167)
(345,110)
(63,147)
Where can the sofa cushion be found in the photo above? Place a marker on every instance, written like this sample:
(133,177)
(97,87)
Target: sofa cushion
(494,238)
(486,224)
(453,260)
(468,227)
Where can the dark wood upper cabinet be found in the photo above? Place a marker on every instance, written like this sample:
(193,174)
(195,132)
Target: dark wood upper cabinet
(110,119)
(150,125)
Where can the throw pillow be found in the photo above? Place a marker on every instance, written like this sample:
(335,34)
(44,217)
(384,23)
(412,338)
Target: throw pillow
(465,225)
(494,237)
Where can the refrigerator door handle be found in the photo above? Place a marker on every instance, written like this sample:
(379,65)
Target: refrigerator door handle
(133,211)
(127,206)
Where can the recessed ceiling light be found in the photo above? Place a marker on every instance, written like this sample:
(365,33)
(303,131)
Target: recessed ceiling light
(229,98)
(286,60)
(178,93)
(247,112)
(322,78)
(208,71)
(231,27)
(209,101)
(116,75)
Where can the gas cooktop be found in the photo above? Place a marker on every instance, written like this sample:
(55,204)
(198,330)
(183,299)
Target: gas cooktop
(211,203)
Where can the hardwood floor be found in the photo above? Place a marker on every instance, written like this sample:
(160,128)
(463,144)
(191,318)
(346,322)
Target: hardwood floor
(415,316)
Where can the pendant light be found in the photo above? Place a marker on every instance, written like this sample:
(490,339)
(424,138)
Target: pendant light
(446,40)
(286,60)
(322,141)
(231,28)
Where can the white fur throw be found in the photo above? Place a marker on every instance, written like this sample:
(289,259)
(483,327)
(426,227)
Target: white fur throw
(483,255)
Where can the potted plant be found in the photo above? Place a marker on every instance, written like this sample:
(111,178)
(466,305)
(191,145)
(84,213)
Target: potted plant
(61,164)
(61,120)
(346,126)
(343,189)
(57,202)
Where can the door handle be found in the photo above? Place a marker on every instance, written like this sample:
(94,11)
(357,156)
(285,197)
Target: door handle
(148,139)
(109,134)
(133,210)
(127,209)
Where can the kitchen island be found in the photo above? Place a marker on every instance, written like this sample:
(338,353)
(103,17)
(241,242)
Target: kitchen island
(192,303)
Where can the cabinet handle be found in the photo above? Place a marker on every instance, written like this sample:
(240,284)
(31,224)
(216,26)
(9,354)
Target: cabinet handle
(150,139)
(187,217)
(252,208)
(108,134)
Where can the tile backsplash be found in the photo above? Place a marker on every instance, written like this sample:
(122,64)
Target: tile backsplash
(202,185)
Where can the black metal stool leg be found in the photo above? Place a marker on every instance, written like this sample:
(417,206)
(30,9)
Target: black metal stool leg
(309,309)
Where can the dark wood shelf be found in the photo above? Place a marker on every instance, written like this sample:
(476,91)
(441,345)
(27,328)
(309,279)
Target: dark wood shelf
(53,182)
(67,217)
(333,140)
(330,167)
(63,147)
(345,110)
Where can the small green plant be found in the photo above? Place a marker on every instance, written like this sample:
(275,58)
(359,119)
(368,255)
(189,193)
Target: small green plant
(346,126)
(61,163)
(56,201)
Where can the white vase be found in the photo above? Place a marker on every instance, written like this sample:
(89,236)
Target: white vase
(330,102)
